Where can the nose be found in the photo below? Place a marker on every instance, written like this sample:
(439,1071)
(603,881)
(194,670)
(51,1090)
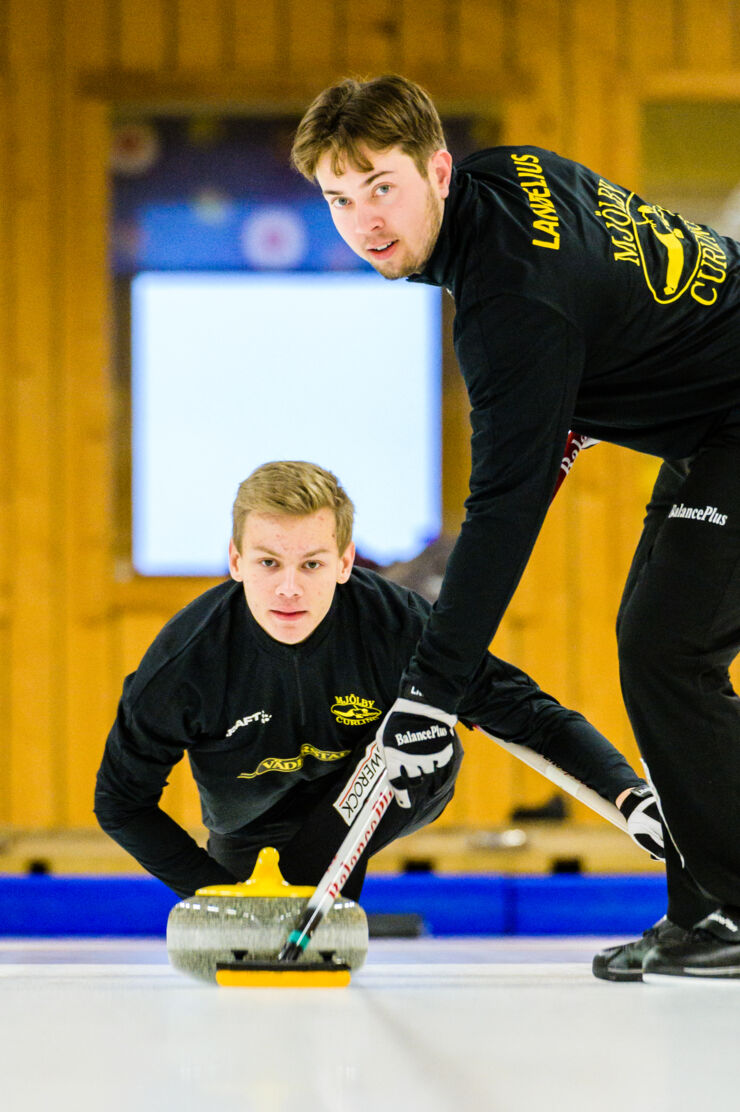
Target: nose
(288,586)
(367,219)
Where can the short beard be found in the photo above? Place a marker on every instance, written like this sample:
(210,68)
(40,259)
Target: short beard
(433,213)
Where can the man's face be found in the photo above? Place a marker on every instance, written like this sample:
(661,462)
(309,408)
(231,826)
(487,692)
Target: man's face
(290,567)
(390,214)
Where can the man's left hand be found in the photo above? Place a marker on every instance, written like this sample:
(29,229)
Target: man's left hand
(416,739)
(644,825)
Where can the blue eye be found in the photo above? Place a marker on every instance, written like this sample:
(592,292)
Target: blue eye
(383,189)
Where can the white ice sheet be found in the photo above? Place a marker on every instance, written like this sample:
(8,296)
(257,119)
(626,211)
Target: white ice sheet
(427,1026)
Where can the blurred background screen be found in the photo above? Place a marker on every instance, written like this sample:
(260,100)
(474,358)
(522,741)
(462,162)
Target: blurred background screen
(231,370)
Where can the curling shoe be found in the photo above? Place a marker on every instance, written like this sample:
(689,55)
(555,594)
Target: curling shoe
(709,954)
(624,963)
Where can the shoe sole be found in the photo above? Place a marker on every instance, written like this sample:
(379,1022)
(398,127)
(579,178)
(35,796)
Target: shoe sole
(635,976)
(703,978)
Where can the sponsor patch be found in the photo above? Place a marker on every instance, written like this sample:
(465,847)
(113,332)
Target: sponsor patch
(361,783)
(410,736)
(258,716)
(709,514)
(292,764)
(676,257)
(352,710)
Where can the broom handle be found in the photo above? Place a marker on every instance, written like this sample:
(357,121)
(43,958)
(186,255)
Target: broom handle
(349,853)
(562,779)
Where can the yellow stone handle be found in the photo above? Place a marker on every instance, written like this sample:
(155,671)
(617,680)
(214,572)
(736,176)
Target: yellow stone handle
(266,880)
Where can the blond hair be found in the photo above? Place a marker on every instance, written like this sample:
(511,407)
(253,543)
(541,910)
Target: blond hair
(388,111)
(294,488)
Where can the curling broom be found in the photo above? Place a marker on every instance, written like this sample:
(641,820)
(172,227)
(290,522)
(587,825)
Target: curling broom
(285,970)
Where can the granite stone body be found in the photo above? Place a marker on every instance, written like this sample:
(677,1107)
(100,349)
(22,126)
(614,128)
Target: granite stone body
(206,930)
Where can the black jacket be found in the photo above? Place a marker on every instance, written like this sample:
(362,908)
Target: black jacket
(579,306)
(265,725)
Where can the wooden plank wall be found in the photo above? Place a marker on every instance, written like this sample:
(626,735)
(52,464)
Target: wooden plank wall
(568,74)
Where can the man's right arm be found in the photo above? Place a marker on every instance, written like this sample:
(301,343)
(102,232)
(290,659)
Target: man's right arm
(133,773)
(522,363)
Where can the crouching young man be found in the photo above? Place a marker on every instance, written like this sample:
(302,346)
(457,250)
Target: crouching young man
(275,683)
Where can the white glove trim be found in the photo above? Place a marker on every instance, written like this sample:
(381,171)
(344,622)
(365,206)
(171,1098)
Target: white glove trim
(424,710)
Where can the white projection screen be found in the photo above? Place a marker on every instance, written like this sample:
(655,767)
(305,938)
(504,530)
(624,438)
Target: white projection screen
(230,370)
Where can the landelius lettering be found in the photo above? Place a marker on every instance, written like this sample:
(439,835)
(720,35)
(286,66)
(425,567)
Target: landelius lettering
(532,180)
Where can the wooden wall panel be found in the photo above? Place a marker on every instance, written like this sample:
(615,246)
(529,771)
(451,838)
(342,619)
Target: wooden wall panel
(257,36)
(654,40)
(706,41)
(373,35)
(567,74)
(430,36)
(200,34)
(38,569)
(592,49)
(7,566)
(311,36)
(540,113)
(141,34)
(89,677)
(90,33)
(484,35)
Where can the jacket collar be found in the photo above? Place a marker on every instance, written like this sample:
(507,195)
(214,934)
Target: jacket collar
(443,263)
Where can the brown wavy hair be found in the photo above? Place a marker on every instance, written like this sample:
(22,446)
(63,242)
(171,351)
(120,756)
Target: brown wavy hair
(387,111)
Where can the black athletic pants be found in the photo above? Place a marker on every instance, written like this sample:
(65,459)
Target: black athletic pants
(305,853)
(678,631)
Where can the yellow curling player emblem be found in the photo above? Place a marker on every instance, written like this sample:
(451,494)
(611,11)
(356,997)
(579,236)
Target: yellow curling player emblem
(352,710)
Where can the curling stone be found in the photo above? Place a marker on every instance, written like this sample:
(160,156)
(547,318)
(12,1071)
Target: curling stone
(228,923)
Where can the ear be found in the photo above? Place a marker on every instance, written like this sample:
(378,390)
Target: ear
(235,561)
(346,561)
(440,171)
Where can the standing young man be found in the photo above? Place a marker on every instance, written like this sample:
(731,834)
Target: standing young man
(274,685)
(579,306)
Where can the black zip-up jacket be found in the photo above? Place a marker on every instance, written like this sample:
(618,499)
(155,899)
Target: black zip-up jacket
(266,725)
(578,306)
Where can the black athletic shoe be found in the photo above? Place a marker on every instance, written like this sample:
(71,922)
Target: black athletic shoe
(624,963)
(711,952)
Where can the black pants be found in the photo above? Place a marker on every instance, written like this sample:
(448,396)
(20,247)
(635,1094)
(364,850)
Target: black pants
(308,843)
(678,631)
